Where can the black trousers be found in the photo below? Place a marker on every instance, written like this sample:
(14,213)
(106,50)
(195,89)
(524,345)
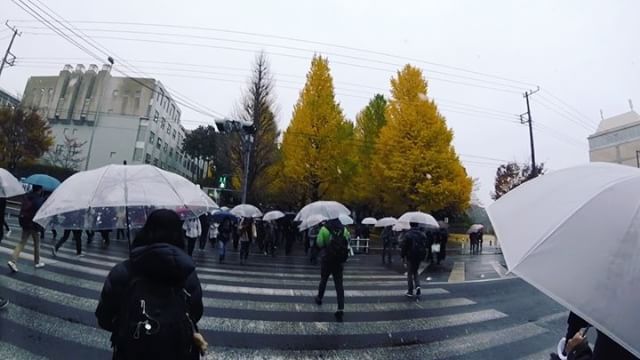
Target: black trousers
(77,237)
(244,250)
(191,244)
(388,251)
(335,270)
(413,278)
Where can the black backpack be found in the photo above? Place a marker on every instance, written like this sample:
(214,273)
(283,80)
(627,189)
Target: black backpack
(418,245)
(154,323)
(338,248)
(27,211)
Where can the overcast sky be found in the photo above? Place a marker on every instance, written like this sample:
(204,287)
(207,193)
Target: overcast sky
(584,55)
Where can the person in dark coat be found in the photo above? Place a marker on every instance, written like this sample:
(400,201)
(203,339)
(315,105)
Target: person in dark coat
(604,349)
(413,258)
(204,225)
(158,255)
(388,243)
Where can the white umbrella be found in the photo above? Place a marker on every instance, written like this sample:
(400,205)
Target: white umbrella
(386,221)
(328,209)
(273,215)
(475,228)
(346,220)
(312,221)
(369,221)
(246,211)
(401,226)
(574,234)
(98,199)
(420,218)
(9,185)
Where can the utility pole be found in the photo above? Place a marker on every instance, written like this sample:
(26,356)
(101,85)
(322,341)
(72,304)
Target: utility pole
(534,170)
(9,58)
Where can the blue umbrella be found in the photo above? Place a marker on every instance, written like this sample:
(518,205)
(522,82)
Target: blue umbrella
(219,216)
(47,182)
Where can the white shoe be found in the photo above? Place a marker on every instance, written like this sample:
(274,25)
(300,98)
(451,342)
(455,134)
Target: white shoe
(79,255)
(39,265)
(13,266)
(8,232)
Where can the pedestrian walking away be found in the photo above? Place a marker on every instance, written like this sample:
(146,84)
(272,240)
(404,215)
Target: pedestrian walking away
(414,251)
(192,231)
(247,233)
(312,235)
(152,302)
(333,240)
(30,206)
(77,238)
(225,232)
(388,243)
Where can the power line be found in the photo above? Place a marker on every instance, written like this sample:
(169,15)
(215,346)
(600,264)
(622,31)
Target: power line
(582,115)
(542,101)
(560,110)
(351,48)
(360,66)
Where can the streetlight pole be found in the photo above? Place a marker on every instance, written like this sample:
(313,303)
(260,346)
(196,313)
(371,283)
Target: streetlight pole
(247,141)
(638,158)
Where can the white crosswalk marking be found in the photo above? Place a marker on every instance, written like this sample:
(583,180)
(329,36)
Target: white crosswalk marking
(265,312)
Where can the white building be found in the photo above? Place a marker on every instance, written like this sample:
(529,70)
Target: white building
(119,118)
(617,140)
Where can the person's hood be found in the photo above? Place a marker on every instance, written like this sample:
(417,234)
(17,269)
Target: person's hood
(163,262)
(334,225)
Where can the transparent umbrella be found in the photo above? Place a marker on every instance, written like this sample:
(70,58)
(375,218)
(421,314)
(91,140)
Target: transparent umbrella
(328,209)
(312,221)
(9,185)
(419,217)
(475,228)
(369,221)
(346,220)
(386,221)
(273,215)
(574,234)
(114,196)
(246,211)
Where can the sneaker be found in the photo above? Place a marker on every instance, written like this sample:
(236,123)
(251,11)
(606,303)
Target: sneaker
(8,232)
(3,303)
(39,265)
(79,255)
(409,294)
(13,266)
(318,301)
(339,316)
(54,252)
(418,291)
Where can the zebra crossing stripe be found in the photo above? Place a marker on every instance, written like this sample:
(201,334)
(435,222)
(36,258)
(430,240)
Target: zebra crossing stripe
(347,328)
(542,355)
(309,282)
(8,351)
(28,289)
(56,327)
(309,293)
(454,347)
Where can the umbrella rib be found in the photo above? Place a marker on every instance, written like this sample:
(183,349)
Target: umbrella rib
(174,189)
(97,186)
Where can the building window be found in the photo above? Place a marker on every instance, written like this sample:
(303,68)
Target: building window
(147,158)
(156,116)
(169,129)
(171,153)
(163,122)
(75,131)
(152,137)
(65,131)
(159,144)
(174,133)
(165,147)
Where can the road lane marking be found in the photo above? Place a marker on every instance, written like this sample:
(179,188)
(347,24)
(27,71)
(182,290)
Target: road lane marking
(457,273)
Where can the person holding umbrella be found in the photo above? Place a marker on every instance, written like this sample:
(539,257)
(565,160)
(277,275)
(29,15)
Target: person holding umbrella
(193,231)
(333,240)
(30,206)
(388,243)
(414,251)
(247,233)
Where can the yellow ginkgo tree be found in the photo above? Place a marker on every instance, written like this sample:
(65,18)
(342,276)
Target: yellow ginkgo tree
(415,163)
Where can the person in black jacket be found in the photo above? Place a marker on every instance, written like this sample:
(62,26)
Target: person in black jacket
(158,255)
(414,252)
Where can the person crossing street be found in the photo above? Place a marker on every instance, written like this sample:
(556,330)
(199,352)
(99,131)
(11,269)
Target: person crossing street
(333,242)
(30,206)
(414,251)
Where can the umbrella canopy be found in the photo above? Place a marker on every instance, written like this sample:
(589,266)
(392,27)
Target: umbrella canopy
(9,185)
(369,221)
(386,221)
(346,220)
(574,234)
(246,211)
(47,182)
(219,216)
(420,218)
(401,226)
(328,209)
(273,215)
(475,228)
(224,208)
(312,221)
(100,199)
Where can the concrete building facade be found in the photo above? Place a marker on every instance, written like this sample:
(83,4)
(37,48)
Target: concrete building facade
(118,118)
(617,140)
(7,99)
